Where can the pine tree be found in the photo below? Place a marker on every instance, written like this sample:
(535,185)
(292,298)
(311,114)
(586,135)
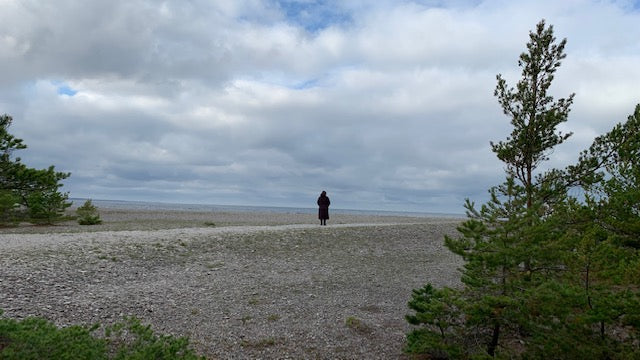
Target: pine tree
(580,298)
(502,257)
(534,114)
(21,187)
(502,241)
(599,285)
(88,214)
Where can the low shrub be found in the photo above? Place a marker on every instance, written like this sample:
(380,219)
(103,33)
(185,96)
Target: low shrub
(88,214)
(37,338)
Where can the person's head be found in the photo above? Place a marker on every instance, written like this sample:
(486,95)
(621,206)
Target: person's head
(324,193)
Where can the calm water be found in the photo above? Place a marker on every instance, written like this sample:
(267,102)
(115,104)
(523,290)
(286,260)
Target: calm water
(143,205)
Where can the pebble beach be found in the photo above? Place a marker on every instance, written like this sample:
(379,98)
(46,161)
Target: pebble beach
(240,285)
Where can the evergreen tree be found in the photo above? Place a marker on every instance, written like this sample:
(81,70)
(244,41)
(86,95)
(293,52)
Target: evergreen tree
(546,275)
(46,207)
(22,187)
(534,114)
(88,214)
(581,297)
(502,242)
(9,205)
(597,293)
(609,171)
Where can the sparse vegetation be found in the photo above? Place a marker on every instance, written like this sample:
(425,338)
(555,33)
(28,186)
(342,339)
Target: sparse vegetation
(37,338)
(261,343)
(356,324)
(254,301)
(88,214)
(215,265)
(352,322)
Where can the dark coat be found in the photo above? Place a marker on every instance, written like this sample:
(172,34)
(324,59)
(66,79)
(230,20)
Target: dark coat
(323,204)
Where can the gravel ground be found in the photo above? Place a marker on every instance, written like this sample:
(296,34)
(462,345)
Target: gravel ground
(246,290)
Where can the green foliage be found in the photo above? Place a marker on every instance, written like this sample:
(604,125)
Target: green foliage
(134,341)
(9,207)
(610,173)
(534,114)
(47,207)
(546,276)
(438,313)
(579,296)
(602,256)
(33,189)
(36,338)
(88,214)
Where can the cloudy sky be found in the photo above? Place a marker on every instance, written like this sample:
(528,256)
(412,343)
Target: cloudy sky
(384,104)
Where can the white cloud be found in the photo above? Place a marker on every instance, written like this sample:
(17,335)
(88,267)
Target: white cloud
(384,104)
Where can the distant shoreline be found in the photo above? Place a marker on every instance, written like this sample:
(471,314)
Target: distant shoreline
(154,205)
(141,216)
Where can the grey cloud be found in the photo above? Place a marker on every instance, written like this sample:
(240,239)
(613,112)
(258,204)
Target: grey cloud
(241,103)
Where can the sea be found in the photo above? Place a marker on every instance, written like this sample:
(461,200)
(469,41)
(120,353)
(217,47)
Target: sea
(146,205)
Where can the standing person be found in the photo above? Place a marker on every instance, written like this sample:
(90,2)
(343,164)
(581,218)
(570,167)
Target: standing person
(323,208)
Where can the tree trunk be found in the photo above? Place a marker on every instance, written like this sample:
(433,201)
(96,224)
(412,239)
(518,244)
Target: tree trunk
(491,349)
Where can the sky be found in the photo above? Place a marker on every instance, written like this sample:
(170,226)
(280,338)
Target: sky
(386,105)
